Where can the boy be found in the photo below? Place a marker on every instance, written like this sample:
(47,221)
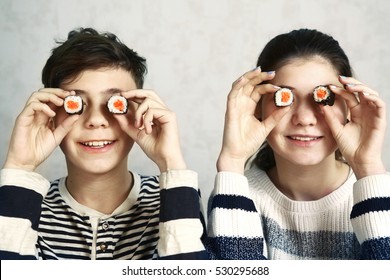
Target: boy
(100,210)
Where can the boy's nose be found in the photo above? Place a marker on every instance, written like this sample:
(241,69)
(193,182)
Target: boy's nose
(96,117)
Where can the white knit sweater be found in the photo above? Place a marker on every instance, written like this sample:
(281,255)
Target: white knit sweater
(251,219)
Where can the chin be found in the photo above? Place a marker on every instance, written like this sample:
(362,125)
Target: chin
(307,163)
(96,167)
(301,158)
(96,170)
(311,159)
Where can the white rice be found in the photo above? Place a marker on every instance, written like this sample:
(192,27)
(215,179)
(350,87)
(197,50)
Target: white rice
(111,104)
(279,97)
(76,100)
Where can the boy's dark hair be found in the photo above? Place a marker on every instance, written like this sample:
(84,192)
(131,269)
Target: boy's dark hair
(87,49)
(302,43)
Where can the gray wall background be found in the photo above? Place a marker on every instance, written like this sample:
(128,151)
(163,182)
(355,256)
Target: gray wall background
(195,50)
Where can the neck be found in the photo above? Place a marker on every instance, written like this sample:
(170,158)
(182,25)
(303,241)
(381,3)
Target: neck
(101,192)
(305,183)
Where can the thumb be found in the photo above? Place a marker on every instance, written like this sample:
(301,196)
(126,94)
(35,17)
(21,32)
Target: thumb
(128,127)
(272,120)
(61,130)
(332,121)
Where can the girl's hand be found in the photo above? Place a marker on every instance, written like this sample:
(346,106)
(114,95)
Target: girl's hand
(361,139)
(154,128)
(244,132)
(34,136)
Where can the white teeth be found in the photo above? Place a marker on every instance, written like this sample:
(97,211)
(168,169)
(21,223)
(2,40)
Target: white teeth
(97,144)
(299,138)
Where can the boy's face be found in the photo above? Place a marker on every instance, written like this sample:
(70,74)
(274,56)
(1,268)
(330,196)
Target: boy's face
(96,144)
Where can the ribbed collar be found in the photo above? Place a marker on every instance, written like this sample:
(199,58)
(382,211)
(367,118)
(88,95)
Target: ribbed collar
(260,183)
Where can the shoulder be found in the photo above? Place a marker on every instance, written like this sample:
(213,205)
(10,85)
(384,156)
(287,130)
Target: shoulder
(142,179)
(255,173)
(257,178)
(146,184)
(152,180)
(55,183)
(54,196)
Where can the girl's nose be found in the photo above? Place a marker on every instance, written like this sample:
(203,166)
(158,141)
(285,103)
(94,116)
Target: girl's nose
(305,113)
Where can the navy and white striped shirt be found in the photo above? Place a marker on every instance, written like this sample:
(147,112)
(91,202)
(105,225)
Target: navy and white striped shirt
(55,226)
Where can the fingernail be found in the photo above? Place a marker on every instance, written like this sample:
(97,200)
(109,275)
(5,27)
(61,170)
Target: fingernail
(275,87)
(270,72)
(257,68)
(342,77)
(365,93)
(350,85)
(332,86)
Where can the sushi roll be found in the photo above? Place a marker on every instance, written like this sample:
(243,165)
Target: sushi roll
(73,104)
(323,95)
(117,104)
(283,97)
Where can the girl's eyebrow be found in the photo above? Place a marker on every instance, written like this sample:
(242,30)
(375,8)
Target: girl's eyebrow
(107,91)
(292,88)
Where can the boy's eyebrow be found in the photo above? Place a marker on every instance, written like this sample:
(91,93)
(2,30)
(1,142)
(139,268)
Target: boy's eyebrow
(107,91)
(284,86)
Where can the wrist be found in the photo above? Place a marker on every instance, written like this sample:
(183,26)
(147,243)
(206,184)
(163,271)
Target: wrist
(231,165)
(172,164)
(26,167)
(364,170)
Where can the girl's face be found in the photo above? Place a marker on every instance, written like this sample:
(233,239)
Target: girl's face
(96,143)
(303,137)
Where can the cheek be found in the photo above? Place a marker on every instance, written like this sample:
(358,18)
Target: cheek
(64,145)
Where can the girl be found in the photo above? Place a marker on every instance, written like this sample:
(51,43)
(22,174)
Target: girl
(316,187)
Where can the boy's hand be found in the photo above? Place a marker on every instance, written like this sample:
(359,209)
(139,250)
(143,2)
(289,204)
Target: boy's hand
(154,128)
(34,136)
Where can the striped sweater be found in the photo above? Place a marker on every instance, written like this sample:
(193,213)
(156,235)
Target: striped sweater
(41,220)
(251,219)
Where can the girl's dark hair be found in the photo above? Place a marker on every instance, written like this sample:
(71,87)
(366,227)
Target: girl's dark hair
(297,44)
(87,49)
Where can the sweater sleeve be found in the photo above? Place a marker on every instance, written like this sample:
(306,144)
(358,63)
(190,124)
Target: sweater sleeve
(234,225)
(370,216)
(21,196)
(181,219)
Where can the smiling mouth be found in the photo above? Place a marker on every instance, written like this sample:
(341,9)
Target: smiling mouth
(96,144)
(304,138)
